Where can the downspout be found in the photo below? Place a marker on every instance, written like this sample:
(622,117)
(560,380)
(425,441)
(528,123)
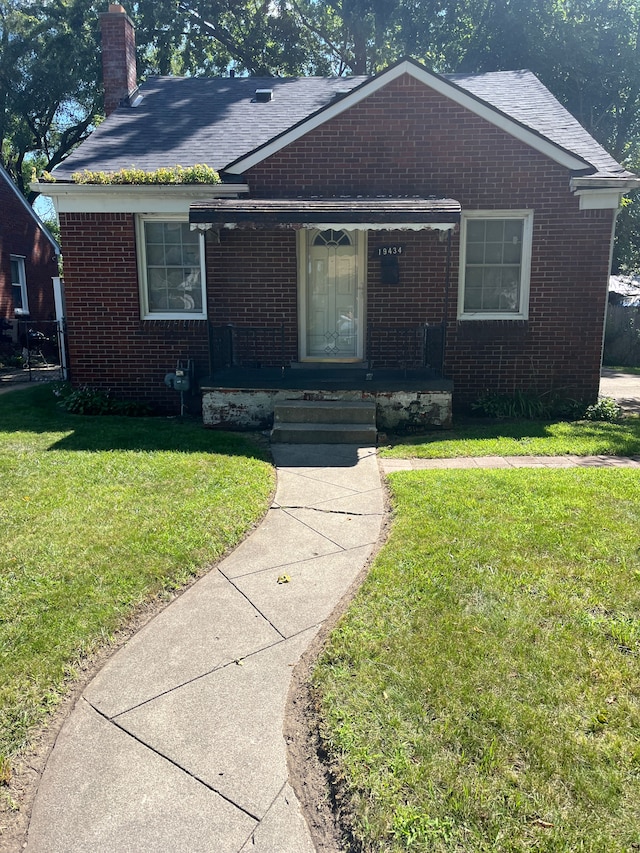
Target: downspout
(606,304)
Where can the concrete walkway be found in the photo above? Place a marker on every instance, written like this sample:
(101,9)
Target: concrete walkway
(177,744)
(391,465)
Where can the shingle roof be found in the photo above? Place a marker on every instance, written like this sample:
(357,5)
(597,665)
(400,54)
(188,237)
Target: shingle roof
(187,120)
(523,97)
(182,120)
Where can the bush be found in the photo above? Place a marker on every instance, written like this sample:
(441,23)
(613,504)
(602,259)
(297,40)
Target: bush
(523,405)
(527,405)
(606,409)
(93,401)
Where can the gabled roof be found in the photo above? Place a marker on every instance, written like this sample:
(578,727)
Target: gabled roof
(8,180)
(188,120)
(525,99)
(219,121)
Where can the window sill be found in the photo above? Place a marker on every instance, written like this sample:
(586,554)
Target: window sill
(492,317)
(149,318)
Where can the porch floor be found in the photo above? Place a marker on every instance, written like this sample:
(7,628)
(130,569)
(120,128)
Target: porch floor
(326,379)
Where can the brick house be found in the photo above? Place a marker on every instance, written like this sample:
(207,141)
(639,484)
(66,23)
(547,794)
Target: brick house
(28,258)
(410,239)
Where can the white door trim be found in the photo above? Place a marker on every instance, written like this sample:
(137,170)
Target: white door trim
(305,235)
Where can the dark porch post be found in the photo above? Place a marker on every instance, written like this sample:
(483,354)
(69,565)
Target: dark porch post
(447,288)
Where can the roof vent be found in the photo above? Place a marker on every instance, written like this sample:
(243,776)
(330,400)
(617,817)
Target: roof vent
(263,96)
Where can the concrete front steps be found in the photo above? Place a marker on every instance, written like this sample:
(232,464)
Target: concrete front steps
(324,422)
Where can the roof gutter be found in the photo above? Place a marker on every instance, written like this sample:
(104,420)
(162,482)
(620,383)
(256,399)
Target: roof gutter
(595,182)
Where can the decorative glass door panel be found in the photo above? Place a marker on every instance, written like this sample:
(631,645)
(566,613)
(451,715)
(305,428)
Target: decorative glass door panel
(332,323)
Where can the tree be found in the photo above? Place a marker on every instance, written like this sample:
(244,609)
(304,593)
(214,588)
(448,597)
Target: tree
(586,51)
(49,82)
(258,37)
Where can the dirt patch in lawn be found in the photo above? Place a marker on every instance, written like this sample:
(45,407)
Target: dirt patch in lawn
(310,773)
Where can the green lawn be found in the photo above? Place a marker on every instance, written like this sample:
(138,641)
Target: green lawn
(523,438)
(100,514)
(634,371)
(483,691)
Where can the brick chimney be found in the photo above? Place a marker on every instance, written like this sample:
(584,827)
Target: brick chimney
(119,73)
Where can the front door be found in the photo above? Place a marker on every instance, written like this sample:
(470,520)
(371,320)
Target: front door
(332,295)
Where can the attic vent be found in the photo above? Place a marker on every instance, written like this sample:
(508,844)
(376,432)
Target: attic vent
(263,96)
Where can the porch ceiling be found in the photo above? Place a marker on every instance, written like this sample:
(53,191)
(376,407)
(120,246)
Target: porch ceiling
(346,213)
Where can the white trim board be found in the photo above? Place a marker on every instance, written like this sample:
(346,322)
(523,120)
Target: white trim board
(134,198)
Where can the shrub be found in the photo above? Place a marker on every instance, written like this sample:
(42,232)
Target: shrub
(93,401)
(606,409)
(527,405)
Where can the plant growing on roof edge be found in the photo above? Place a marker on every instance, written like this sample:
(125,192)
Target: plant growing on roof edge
(200,173)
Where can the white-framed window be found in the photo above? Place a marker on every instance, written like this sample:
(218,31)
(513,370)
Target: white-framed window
(19,285)
(495,264)
(171,264)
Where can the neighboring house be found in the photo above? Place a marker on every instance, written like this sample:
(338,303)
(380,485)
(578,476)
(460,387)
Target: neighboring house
(408,238)
(28,258)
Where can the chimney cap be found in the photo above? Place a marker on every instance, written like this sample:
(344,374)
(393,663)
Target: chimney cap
(116,8)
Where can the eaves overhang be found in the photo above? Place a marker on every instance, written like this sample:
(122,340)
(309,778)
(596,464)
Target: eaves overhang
(133,198)
(361,213)
(598,192)
(445,87)
(600,182)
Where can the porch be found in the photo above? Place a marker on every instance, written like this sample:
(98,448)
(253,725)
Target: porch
(363,269)
(244,392)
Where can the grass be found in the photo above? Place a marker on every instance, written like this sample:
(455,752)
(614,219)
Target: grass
(101,514)
(523,438)
(483,691)
(634,371)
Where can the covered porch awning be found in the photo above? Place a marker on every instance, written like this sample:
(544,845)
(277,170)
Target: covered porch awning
(357,213)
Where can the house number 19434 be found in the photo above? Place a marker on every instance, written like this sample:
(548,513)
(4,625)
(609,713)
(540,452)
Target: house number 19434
(385,251)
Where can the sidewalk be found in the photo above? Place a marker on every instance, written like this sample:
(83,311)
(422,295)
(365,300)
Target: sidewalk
(390,465)
(177,744)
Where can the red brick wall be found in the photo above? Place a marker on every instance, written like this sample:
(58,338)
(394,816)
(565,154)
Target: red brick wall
(20,235)
(109,345)
(407,139)
(252,278)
